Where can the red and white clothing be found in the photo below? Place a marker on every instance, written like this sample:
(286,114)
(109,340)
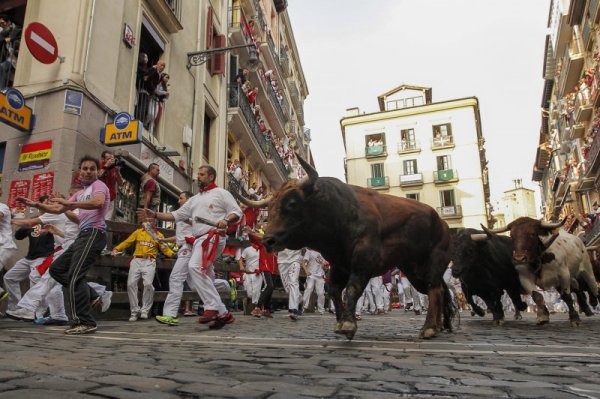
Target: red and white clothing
(288,262)
(252,280)
(213,204)
(315,281)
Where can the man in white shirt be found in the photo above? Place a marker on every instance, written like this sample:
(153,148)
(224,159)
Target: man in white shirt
(8,248)
(219,208)
(315,278)
(288,262)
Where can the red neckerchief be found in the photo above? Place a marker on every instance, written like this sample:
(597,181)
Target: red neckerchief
(208,188)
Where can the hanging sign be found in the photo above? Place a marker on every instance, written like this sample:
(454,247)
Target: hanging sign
(14,112)
(123,130)
(35,155)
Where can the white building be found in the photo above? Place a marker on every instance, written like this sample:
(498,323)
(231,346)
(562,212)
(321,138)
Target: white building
(414,148)
(518,202)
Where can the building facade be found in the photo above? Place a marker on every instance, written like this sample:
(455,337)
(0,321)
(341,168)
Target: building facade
(100,73)
(567,159)
(430,152)
(516,203)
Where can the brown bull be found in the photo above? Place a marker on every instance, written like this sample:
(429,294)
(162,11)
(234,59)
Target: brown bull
(362,234)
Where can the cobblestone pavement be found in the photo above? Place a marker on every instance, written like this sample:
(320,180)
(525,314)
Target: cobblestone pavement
(277,358)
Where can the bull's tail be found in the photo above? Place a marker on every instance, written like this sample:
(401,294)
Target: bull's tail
(450,309)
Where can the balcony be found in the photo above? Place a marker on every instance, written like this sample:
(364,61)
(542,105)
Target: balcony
(593,158)
(374,151)
(572,62)
(407,147)
(441,142)
(168,13)
(254,8)
(284,59)
(583,106)
(270,108)
(269,53)
(576,131)
(244,126)
(378,183)
(445,176)
(450,211)
(414,179)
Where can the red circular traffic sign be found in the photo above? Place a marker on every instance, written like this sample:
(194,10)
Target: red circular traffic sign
(41,43)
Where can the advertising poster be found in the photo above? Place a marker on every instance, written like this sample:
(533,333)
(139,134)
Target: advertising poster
(18,188)
(42,184)
(35,155)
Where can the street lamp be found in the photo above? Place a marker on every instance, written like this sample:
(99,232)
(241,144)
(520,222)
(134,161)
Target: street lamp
(200,57)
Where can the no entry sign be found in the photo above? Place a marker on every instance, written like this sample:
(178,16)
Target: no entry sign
(41,43)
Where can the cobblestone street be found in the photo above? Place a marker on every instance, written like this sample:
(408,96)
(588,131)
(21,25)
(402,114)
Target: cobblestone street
(277,358)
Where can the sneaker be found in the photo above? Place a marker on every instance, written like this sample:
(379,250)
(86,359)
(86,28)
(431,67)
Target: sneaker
(293,316)
(267,313)
(256,312)
(133,317)
(380,311)
(417,312)
(21,314)
(3,294)
(106,298)
(357,316)
(208,316)
(189,313)
(172,321)
(144,316)
(220,321)
(80,329)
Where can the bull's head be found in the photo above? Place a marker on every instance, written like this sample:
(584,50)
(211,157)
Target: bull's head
(288,223)
(464,249)
(530,238)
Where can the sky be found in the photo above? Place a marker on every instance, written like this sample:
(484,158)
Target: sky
(354,50)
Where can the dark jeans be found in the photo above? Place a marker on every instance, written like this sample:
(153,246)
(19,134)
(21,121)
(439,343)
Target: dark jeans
(70,270)
(267,292)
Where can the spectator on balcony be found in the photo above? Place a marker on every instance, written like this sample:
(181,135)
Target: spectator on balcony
(261,126)
(240,80)
(157,101)
(143,97)
(252,96)
(10,39)
(246,88)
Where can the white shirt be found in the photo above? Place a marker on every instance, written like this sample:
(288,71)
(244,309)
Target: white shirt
(289,256)
(213,205)
(182,229)
(57,220)
(250,256)
(315,261)
(6,233)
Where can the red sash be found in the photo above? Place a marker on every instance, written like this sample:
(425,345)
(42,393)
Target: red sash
(208,252)
(47,262)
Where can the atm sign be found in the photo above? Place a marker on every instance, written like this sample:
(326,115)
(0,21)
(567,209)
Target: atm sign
(123,130)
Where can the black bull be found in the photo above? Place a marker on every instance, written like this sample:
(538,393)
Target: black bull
(483,264)
(363,234)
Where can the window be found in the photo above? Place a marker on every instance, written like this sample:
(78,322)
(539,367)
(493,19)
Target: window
(407,139)
(216,62)
(443,130)
(414,196)
(410,167)
(375,144)
(206,137)
(447,198)
(377,170)
(443,162)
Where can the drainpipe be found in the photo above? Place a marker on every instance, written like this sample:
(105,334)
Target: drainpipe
(89,42)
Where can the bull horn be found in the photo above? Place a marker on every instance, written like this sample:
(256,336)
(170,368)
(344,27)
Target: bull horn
(312,173)
(255,204)
(552,226)
(495,231)
(479,237)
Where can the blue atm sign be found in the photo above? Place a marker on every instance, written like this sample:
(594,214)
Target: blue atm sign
(123,130)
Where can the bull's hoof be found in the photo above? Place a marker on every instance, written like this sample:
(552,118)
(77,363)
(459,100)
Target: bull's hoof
(518,316)
(575,323)
(472,313)
(499,322)
(588,312)
(541,321)
(347,328)
(429,332)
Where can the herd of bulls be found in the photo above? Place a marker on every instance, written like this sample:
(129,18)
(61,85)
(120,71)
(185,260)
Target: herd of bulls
(534,257)
(363,233)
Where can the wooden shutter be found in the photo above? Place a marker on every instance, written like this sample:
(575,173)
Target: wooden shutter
(217,61)
(209,28)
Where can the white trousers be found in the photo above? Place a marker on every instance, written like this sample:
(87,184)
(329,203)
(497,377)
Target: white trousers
(386,291)
(411,296)
(373,291)
(316,284)
(179,275)
(202,280)
(141,268)
(12,279)
(6,255)
(253,284)
(289,273)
